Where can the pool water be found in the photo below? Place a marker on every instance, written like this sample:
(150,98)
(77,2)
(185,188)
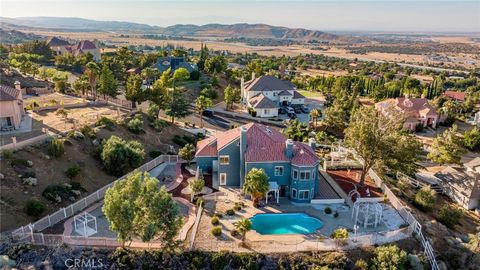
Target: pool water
(286,223)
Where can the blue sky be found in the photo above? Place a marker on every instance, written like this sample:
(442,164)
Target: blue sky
(386,15)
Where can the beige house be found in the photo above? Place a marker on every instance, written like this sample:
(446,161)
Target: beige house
(60,46)
(11,107)
(415,110)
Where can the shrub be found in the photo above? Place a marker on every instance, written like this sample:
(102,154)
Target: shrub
(389,257)
(218,215)
(7,154)
(106,122)
(252,112)
(237,207)
(158,124)
(189,139)
(73,171)
(341,233)
(195,75)
(179,141)
(471,139)
(87,131)
(216,231)
(214,220)
(449,216)
(56,147)
(200,202)
(28,174)
(153,111)
(200,136)
(230,212)
(361,265)
(20,162)
(135,125)
(209,92)
(425,198)
(155,153)
(118,155)
(419,127)
(335,215)
(234,232)
(328,210)
(34,208)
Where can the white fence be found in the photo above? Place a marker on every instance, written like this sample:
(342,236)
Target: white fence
(19,145)
(25,233)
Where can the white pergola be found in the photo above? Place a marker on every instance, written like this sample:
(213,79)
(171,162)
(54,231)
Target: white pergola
(83,224)
(370,213)
(273,186)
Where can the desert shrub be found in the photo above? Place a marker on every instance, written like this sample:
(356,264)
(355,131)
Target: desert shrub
(218,215)
(20,162)
(56,147)
(214,221)
(209,92)
(449,216)
(63,191)
(230,212)
(119,155)
(328,210)
(73,171)
(7,154)
(28,174)
(200,136)
(153,111)
(335,215)
(234,232)
(106,122)
(155,153)
(189,139)
(135,125)
(195,75)
(216,231)
(34,208)
(158,124)
(341,233)
(183,140)
(237,207)
(425,198)
(87,131)
(361,265)
(389,257)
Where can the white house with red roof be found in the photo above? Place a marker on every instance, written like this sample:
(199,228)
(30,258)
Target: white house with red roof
(415,111)
(292,167)
(266,94)
(83,47)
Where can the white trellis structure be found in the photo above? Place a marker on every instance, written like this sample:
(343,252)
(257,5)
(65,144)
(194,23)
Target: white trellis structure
(367,214)
(273,186)
(83,224)
(350,197)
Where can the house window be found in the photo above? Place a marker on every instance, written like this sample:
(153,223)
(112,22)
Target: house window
(224,160)
(278,170)
(304,195)
(295,174)
(305,175)
(294,193)
(266,111)
(223,179)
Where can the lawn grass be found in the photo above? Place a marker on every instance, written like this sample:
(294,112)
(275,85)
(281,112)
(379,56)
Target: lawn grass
(309,93)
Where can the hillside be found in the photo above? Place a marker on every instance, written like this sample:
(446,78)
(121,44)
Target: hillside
(8,36)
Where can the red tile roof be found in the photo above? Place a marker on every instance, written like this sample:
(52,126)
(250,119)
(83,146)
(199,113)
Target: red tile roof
(85,45)
(207,148)
(460,96)
(8,93)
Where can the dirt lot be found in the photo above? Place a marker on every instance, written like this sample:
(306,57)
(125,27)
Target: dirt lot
(14,194)
(53,99)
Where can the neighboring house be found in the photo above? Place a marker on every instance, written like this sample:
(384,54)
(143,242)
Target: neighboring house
(455,95)
(85,46)
(11,107)
(415,110)
(164,63)
(292,167)
(462,184)
(266,94)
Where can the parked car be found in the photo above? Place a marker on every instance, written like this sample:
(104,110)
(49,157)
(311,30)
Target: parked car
(282,111)
(289,109)
(305,109)
(208,113)
(292,115)
(298,110)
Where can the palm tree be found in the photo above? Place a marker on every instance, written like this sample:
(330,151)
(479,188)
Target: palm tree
(315,114)
(256,184)
(201,104)
(243,226)
(92,70)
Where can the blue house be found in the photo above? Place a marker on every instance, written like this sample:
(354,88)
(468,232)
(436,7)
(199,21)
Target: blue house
(292,167)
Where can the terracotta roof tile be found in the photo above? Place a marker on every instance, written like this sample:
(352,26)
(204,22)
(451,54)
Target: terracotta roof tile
(460,96)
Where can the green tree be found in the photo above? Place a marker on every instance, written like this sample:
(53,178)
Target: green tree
(256,184)
(81,85)
(216,64)
(107,84)
(196,186)
(201,104)
(324,137)
(187,152)
(381,140)
(389,258)
(177,106)
(118,155)
(136,206)
(471,139)
(179,75)
(133,90)
(56,147)
(92,70)
(314,115)
(447,147)
(62,113)
(153,111)
(243,226)
(297,131)
(149,74)
(159,93)
(425,198)
(335,116)
(232,95)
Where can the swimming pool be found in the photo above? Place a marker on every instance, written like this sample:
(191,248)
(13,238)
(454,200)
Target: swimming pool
(285,223)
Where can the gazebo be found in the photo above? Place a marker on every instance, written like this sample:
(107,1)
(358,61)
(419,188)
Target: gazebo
(85,224)
(273,186)
(367,213)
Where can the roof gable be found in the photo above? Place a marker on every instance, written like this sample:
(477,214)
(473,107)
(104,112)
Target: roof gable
(269,83)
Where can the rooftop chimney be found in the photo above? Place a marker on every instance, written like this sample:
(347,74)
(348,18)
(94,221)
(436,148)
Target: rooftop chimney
(243,149)
(289,148)
(253,75)
(18,86)
(312,143)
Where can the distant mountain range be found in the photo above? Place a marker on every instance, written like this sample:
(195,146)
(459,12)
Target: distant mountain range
(208,30)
